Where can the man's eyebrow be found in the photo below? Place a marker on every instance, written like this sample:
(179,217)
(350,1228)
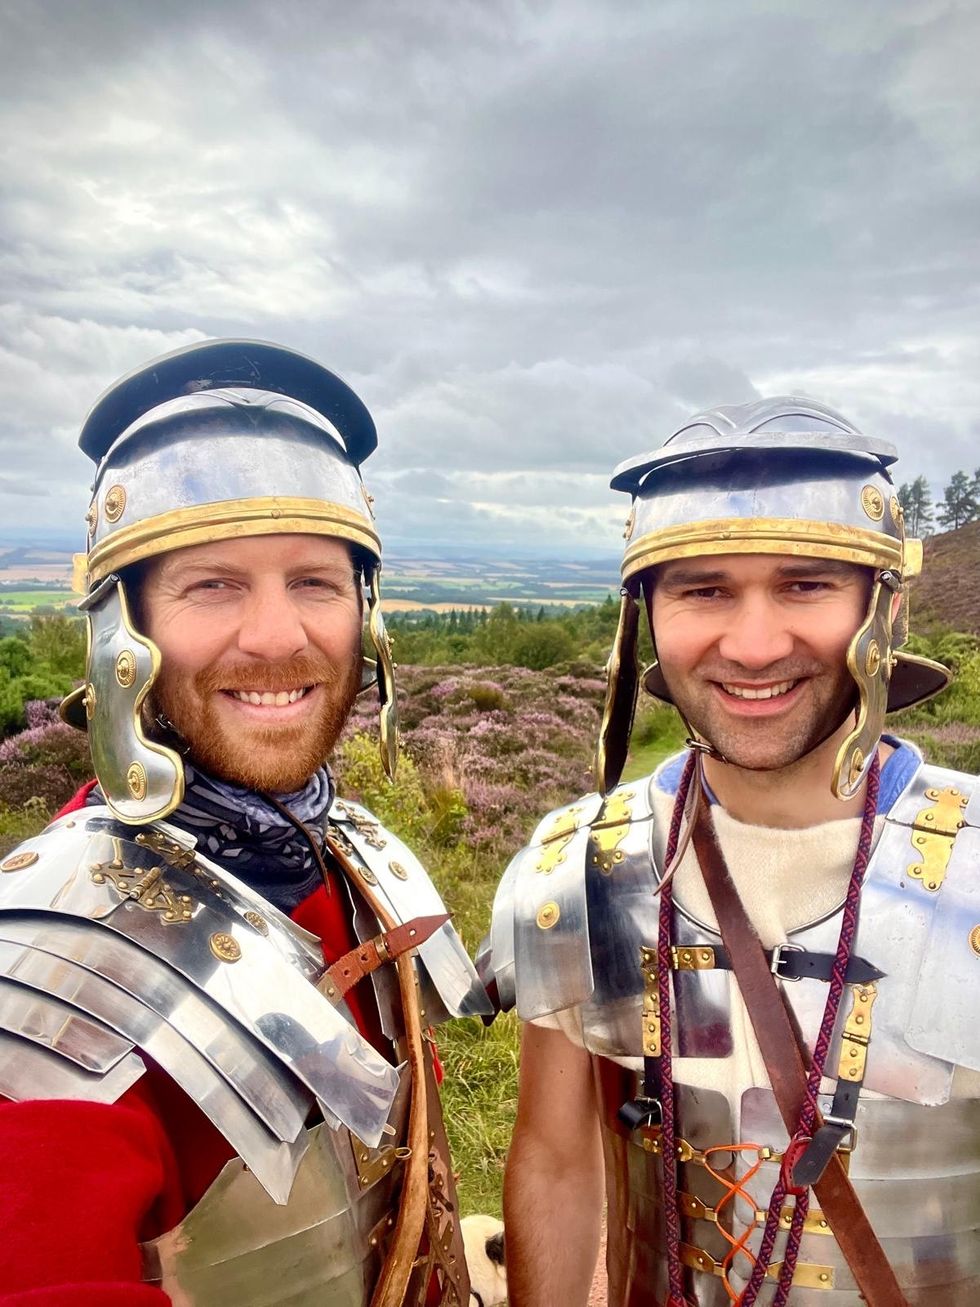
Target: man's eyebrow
(679,577)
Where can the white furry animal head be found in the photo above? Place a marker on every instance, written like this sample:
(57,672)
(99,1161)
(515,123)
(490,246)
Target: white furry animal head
(483,1239)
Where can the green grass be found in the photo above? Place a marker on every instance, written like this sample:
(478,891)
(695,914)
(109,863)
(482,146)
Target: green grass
(27,600)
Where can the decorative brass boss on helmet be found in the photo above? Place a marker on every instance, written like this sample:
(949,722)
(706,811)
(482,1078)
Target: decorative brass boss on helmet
(781,476)
(223,439)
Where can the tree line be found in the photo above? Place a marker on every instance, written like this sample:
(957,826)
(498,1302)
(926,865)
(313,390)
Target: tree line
(959,505)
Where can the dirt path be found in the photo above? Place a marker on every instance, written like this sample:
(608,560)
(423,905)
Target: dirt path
(598,1296)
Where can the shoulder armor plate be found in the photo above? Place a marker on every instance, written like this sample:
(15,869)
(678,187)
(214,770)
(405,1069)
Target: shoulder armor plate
(550,915)
(153,946)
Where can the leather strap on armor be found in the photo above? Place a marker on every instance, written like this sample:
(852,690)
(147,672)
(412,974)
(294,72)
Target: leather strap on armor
(784,1063)
(367,957)
(393,1280)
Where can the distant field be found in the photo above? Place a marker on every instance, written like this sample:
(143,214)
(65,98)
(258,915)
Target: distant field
(25,601)
(48,572)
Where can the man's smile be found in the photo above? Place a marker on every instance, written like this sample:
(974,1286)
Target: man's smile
(278,697)
(760,699)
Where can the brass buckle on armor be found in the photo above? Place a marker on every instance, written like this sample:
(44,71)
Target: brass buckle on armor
(778,953)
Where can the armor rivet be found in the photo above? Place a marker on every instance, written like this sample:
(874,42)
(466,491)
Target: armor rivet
(89,700)
(705,956)
(823,1277)
(548,915)
(872,662)
(92,517)
(398,870)
(873,503)
(898,516)
(115,503)
(257,922)
(126,668)
(19,861)
(975,939)
(69,825)
(857,763)
(225,947)
(367,875)
(136,780)
(630,524)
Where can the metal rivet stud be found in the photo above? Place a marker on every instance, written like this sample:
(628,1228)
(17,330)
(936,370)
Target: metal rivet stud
(225,947)
(548,915)
(136,780)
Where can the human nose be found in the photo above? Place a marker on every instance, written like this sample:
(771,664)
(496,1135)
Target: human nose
(756,634)
(271,628)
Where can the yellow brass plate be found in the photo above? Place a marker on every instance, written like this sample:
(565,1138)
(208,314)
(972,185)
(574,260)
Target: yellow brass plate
(548,915)
(136,780)
(933,832)
(115,503)
(225,947)
(89,700)
(203,523)
(975,939)
(698,1259)
(857,1033)
(873,503)
(630,524)
(872,661)
(808,1275)
(398,870)
(764,535)
(18,861)
(92,516)
(692,1206)
(147,889)
(556,841)
(692,959)
(126,668)
(257,922)
(610,829)
(813,1223)
(898,517)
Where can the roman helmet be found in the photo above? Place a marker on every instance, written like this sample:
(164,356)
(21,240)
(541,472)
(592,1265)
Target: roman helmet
(776,476)
(218,440)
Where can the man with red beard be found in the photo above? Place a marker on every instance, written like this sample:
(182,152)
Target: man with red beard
(214,974)
(748,979)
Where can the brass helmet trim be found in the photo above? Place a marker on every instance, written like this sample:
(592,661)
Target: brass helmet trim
(763,536)
(226,519)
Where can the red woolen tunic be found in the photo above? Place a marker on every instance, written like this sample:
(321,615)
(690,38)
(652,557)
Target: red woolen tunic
(83,1184)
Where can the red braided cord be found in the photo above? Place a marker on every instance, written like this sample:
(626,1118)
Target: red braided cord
(668,1132)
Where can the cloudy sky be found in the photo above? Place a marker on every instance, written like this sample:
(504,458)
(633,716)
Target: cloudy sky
(533,236)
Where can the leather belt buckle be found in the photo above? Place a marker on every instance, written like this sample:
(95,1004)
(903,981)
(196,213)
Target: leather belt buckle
(779,957)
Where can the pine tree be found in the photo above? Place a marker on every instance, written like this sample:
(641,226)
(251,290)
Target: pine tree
(916,501)
(959,503)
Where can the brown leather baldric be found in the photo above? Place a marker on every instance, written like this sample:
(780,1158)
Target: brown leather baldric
(783,1058)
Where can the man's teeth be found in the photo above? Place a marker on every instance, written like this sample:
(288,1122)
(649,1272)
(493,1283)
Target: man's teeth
(763,692)
(269,698)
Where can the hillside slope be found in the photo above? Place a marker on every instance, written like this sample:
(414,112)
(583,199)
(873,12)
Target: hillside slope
(947,594)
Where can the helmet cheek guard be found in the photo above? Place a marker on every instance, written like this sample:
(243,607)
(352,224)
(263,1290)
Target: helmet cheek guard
(784,476)
(216,441)
(141,779)
(622,687)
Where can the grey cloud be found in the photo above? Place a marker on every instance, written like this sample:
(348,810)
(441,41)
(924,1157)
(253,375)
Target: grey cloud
(534,237)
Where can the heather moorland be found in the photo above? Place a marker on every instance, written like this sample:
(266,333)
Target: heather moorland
(486,750)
